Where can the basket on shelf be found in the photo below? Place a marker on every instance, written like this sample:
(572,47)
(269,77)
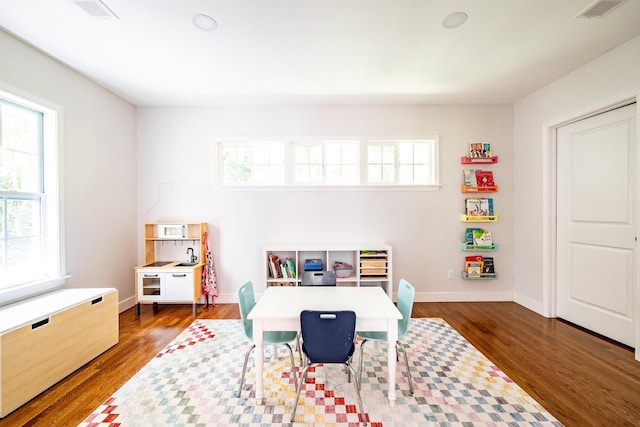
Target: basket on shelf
(342,269)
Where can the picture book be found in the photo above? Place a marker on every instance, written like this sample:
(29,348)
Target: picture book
(474,266)
(487,266)
(484,178)
(479,207)
(478,150)
(470,177)
(468,235)
(482,237)
(472,206)
(273,266)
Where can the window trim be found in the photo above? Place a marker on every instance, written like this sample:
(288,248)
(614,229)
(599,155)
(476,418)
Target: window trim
(289,185)
(53,221)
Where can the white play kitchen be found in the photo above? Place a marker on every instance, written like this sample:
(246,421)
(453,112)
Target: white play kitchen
(174,255)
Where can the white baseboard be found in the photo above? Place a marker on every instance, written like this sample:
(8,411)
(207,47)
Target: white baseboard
(531,304)
(463,296)
(126,304)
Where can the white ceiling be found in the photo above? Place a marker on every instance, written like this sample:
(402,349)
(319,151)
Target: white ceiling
(321,51)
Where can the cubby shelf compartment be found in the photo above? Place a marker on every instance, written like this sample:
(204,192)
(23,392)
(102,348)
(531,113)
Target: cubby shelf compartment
(466,160)
(490,276)
(470,189)
(372,262)
(478,248)
(473,218)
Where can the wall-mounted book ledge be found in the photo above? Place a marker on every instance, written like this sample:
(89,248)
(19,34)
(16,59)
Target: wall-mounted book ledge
(470,248)
(466,160)
(474,218)
(474,189)
(484,276)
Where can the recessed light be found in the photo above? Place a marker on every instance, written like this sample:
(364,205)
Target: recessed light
(204,22)
(454,20)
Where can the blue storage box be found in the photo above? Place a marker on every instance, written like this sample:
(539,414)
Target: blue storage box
(313,264)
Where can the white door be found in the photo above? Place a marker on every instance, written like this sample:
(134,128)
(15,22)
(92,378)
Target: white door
(596,223)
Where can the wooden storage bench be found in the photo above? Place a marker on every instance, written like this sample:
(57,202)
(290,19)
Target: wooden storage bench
(47,337)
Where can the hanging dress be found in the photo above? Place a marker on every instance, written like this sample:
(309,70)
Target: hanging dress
(209,285)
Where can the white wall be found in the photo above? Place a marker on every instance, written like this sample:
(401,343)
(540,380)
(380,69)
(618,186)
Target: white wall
(176,170)
(99,167)
(607,80)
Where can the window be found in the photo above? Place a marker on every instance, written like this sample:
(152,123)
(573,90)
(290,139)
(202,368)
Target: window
(401,162)
(29,237)
(253,163)
(330,163)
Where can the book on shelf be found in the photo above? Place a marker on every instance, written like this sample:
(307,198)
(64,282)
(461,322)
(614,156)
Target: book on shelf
(478,266)
(473,266)
(487,265)
(482,237)
(280,269)
(468,235)
(273,266)
(484,178)
(470,177)
(291,267)
(479,206)
(479,150)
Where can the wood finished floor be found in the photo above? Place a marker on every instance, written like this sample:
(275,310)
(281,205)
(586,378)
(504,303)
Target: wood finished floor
(582,379)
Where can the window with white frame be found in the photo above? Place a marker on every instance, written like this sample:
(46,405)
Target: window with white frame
(326,163)
(330,163)
(29,232)
(403,162)
(257,163)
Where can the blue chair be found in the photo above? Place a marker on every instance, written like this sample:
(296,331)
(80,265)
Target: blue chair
(327,338)
(406,295)
(246,301)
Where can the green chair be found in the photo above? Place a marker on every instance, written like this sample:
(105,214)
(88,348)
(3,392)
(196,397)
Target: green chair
(406,295)
(246,301)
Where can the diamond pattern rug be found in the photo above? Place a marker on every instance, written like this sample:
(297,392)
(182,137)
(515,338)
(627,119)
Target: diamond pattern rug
(194,382)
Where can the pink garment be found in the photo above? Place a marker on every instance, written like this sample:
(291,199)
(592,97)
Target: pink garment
(209,285)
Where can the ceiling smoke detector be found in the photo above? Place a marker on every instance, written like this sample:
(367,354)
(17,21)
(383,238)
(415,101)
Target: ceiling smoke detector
(96,9)
(599,8)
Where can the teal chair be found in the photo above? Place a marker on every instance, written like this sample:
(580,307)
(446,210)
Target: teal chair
(406,295)
(246,301)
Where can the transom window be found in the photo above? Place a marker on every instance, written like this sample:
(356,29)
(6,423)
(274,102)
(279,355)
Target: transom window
(401,162)
(253,163)
(329,163)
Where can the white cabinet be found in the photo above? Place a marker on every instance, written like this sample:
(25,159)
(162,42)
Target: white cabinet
(150,285)
(168,286)
(371,263)
(179,286)
(156,285)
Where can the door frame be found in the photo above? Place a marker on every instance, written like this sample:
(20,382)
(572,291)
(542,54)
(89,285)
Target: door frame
(549,213)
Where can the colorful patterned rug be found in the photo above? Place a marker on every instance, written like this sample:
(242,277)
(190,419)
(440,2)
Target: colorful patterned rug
(194,382)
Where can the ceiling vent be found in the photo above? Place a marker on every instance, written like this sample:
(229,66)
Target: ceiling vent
(599,8)
(96,9)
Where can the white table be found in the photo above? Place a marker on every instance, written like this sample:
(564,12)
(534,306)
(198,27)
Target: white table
(279,310)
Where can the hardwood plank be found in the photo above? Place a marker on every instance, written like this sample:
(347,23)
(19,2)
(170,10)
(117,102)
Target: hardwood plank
(581,378)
